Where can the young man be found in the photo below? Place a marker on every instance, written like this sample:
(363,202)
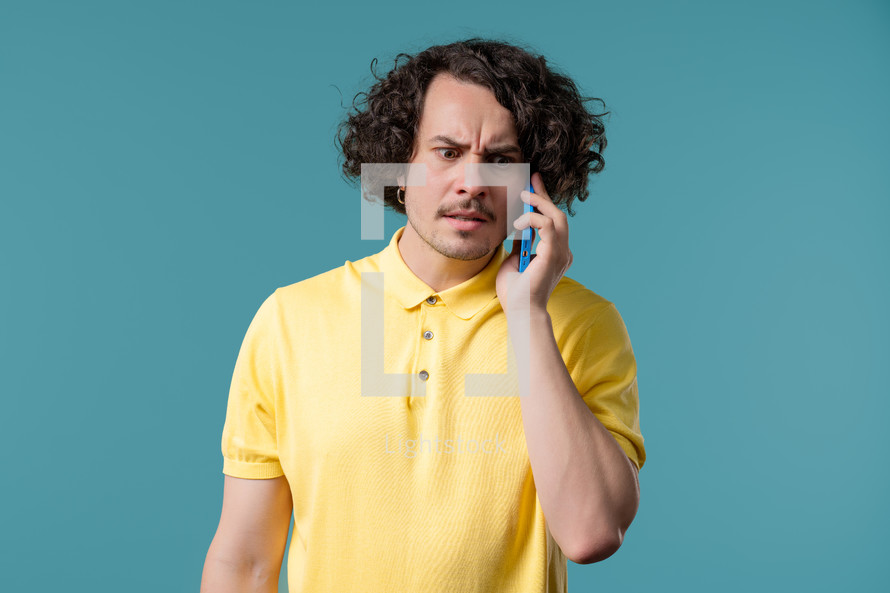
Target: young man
(434,488)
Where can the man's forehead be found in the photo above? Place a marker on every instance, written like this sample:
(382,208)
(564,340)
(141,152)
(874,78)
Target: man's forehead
(499,143)
(467,115)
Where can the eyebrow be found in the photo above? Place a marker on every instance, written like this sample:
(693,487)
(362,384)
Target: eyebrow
(497,149)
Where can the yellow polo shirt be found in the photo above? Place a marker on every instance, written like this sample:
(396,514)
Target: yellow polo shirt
(409,480)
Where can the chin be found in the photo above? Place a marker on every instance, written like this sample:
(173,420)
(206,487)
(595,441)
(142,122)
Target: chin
(467,252)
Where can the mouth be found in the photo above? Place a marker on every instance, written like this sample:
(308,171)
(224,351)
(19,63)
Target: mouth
(465,222)
(465,217)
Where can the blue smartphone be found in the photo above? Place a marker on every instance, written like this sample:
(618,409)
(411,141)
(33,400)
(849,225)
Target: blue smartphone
(525,253)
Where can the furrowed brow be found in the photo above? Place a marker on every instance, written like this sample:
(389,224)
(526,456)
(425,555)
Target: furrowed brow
(497,149)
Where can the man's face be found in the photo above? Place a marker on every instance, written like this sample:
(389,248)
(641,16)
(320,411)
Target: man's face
(461,123)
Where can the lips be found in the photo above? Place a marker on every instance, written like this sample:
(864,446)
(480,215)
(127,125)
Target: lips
(467,215)
(462,224)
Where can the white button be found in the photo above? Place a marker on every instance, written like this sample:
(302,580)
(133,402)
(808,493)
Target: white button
(428,335)
(431,300)
(424,375)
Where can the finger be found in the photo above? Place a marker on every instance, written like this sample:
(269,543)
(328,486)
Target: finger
(545,225)
(538,185)
(545,206)
(542,201)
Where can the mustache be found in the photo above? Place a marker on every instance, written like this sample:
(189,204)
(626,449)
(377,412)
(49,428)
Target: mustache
(470,206)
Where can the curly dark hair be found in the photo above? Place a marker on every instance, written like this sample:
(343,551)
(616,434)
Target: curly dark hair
(559,137)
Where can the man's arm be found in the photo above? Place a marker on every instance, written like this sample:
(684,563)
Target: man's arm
(587,486)
(246,552)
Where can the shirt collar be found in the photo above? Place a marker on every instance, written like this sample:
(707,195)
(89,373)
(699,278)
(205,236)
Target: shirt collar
(464,300)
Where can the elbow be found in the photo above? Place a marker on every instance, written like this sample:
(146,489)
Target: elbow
(596,535)
(595,549)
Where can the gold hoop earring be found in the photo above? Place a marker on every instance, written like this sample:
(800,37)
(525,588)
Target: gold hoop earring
(401,199)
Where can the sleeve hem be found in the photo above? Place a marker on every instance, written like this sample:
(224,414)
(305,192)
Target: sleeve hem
(628,448)
(251,470)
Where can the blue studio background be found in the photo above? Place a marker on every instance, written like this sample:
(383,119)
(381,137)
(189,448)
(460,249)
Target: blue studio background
(164,166)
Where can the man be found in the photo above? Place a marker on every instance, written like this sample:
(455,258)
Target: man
(435,488)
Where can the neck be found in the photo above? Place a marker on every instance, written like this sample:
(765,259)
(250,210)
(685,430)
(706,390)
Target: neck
(437,271)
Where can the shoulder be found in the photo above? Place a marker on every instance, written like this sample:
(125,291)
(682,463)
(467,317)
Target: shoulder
(588,327)
(573,306)
(334,287)
(583,319)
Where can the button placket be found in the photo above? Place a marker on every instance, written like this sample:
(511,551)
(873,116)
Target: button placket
(427,335)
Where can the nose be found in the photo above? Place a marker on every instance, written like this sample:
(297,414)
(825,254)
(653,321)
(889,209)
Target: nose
(470,184)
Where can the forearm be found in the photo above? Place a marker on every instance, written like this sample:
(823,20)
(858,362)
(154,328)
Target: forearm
(224,575)
(586,485)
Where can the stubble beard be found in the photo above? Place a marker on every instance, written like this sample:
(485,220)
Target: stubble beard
(463,248)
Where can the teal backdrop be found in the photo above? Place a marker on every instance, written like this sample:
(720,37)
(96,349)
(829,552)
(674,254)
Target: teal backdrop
(164,166)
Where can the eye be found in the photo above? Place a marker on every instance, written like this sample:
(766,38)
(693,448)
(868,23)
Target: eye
(502,160)
(447,153)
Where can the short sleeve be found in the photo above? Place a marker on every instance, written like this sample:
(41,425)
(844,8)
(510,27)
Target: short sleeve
(605,373)
(249,438)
